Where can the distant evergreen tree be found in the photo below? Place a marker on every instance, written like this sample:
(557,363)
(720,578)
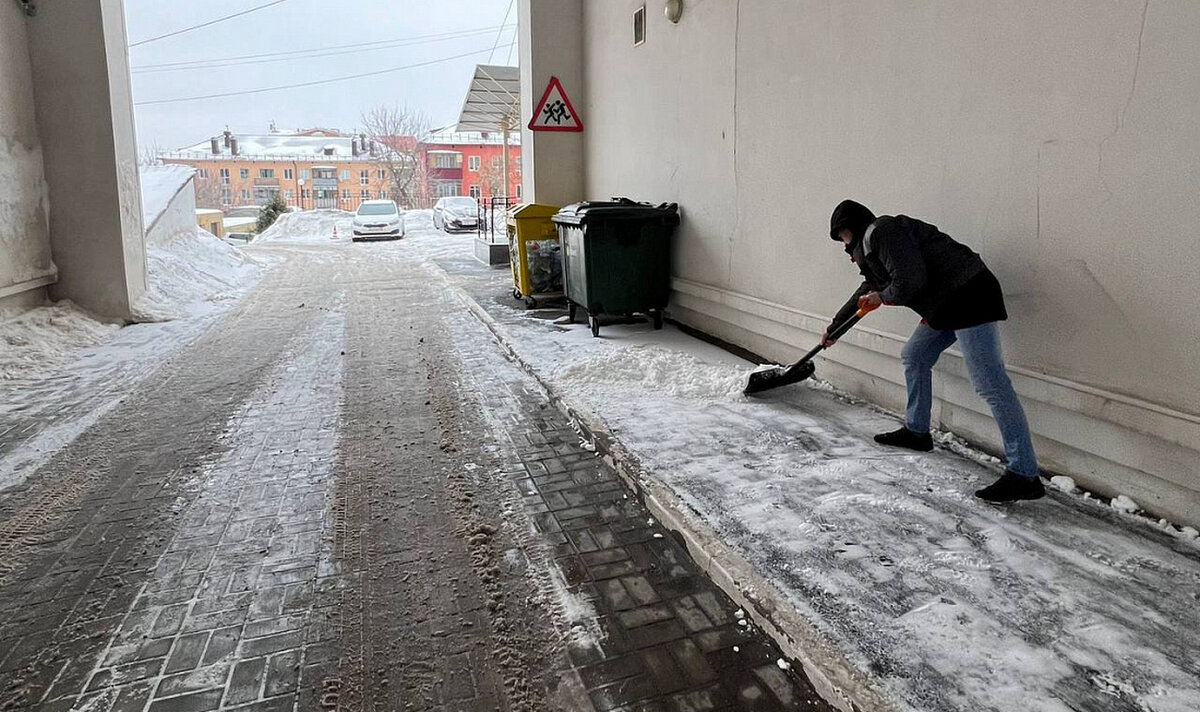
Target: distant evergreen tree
(270,212)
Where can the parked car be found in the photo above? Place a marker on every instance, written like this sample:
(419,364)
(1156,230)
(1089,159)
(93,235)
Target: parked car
(378,220)
(456,212)
(239,238)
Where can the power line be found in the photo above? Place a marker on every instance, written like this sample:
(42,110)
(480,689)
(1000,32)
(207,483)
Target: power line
(357,49)
(502,23)
(357,46)
(206,24)
(309,84)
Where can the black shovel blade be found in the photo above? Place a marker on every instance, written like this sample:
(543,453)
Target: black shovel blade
(766,380)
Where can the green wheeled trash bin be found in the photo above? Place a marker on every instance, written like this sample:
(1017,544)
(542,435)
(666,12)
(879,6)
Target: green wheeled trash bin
(617,257)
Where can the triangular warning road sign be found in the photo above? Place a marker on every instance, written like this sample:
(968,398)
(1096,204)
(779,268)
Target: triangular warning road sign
(554,112)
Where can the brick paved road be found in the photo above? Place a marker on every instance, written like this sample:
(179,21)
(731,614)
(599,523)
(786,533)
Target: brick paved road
(344,497)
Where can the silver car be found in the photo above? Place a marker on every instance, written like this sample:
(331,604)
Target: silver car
(456,213)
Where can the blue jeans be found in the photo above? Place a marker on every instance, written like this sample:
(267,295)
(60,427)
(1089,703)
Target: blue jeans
(981,350)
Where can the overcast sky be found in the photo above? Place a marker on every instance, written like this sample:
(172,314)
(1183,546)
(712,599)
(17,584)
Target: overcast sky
(292,25)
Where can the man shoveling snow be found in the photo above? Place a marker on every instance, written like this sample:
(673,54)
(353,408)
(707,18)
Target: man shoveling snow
(906,262)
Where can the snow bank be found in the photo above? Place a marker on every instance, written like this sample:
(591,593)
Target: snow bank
(656,370)
(39,340)
(159,185)
(191,272)
(309,226)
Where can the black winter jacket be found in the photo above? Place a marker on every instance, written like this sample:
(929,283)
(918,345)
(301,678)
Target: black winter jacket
(911,263)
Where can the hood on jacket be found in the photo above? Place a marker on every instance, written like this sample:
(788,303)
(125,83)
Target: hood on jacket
(853,216)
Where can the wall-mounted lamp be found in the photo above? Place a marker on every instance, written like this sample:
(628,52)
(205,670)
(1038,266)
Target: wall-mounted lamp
(28,6)
(673,10)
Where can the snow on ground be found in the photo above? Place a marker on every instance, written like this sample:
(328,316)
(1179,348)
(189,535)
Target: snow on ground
(945,602)
(190,273)
(38,340)
(159,185)
(309,226)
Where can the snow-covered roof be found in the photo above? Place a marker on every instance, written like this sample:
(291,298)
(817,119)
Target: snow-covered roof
(445,137)
(159,185)
(276,145)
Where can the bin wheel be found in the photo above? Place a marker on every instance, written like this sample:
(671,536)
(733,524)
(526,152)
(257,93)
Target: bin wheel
(516,293)
(531,303)
(595,324)
(571,313)
(658,319)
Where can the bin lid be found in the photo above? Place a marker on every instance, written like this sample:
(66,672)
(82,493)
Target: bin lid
(532,210)
(617,209)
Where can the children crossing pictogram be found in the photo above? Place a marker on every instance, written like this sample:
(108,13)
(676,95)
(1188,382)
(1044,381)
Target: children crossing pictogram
(554,112)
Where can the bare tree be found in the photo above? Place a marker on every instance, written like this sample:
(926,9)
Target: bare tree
(396,132)
(208,192)
(492,179)
(149,154)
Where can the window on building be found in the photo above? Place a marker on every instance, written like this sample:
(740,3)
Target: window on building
(381,174)
(518,193)
(225,197)
(364,177)
(245,195)
(473,163)
(345,175)
(517,161)
(447,160)
(364,194)
(496,161)
(266,172)
(383,195)
(304,173)
(244,173)
(202,173)
(305,194)
(287,174)
(474,190)
(448,188)
(346,193)
(288,195)
(224,172)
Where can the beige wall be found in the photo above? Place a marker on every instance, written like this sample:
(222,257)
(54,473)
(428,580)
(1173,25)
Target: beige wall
(551,46)
(1058,139)
(25,263)
(85,119)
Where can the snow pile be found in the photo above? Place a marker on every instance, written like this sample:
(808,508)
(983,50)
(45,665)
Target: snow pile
(159,185)
(656,370)
(1063,483)
(309,226)
(190,273)
(1121,503)
(38,340)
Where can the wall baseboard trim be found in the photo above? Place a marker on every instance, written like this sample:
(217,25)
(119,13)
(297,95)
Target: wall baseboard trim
(27,285)
(1110,443)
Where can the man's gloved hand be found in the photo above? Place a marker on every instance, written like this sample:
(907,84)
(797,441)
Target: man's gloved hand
(826,342)
(870,301)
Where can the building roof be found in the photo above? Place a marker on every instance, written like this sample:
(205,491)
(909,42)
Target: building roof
(493,99)
(279,145)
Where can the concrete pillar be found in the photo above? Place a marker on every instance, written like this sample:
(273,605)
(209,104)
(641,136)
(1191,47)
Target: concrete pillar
(551,45)
(84,109)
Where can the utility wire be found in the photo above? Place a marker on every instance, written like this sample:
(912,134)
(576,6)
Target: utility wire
(502,23)
(309,84)
(206,24)
(357,49)
(365,46)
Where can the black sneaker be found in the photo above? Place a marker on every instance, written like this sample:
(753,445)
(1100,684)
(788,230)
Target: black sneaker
(1011,487)
(907,439)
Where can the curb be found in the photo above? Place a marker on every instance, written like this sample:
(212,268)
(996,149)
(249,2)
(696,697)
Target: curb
(837,680)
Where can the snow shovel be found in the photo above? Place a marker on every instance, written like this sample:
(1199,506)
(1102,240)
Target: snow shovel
(802,369)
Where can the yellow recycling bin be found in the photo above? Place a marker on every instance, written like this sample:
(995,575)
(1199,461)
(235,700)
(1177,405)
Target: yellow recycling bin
(534,253)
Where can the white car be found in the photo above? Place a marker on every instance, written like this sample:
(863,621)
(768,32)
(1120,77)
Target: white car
(456,212)
(378,220)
